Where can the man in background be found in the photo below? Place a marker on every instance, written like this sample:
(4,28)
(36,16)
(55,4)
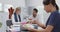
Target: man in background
(35,15)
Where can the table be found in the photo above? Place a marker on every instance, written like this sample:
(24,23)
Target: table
(19,28)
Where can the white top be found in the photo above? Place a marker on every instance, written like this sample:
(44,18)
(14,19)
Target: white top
(13,20)
(38,17)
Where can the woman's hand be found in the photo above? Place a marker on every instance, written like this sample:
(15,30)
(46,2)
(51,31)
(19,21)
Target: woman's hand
(33,21)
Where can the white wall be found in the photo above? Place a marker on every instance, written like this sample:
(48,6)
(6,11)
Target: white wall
(58,2)
(38,2)
(34,2)
(23,2)
(14,2)
(3,18)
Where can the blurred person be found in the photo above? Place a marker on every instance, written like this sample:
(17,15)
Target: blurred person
(35,15)
(16,16)
(9,21)
(53,22)
(11,10)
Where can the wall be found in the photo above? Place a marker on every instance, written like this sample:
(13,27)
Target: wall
(34,3)
(14,2)
(3,18)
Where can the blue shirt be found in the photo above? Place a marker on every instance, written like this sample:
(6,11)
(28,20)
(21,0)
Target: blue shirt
(54,20)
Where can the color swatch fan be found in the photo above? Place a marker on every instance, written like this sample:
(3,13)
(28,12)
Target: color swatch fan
(28,26)
(0,24)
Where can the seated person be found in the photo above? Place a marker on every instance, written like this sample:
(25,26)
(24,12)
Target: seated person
(35,15)
(32,18)
(16,17)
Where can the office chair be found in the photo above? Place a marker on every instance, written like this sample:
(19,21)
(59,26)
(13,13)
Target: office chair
(8,23)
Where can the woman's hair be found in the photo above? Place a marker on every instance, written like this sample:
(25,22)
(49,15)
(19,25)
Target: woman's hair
(53,2)
(18,8)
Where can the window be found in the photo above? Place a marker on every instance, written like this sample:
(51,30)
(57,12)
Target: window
(0,7)
(6,6)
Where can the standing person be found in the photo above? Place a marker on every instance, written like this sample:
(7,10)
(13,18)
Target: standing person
(16,16)
(9,21)
(11,10)
(53,22)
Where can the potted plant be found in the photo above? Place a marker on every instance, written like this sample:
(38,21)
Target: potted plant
(0,24)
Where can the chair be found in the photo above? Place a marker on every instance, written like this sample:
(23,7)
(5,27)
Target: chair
(8,23)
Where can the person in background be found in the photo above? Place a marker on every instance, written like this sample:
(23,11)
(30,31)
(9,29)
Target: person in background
(53,22)
(16,16)
(11,10)
(35,15)
(9,21)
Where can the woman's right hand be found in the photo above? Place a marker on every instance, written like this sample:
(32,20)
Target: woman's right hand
(30,21)
(33,21)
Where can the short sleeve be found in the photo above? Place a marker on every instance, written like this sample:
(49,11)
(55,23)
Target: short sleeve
(52,19)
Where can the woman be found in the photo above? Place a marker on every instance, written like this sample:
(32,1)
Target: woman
(53,22)
(11,10)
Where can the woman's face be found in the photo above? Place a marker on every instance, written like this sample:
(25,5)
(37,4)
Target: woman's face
(47,8)
(18,11)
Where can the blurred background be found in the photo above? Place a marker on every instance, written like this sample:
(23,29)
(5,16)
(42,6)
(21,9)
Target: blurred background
(26,8)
